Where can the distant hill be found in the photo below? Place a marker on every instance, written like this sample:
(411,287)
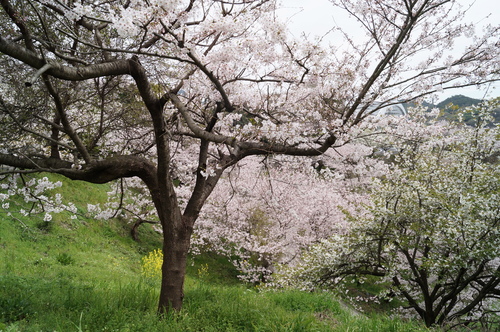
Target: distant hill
(450,108)
(458,100)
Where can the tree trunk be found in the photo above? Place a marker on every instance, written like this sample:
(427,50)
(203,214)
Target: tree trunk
(175,250)
(429,318)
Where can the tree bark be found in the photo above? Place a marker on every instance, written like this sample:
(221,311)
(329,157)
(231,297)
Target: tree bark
(116,67)
(175,249)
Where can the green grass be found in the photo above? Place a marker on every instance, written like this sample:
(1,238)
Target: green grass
(85,275)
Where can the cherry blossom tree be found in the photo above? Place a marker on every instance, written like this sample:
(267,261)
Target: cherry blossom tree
(432,231)
(280,205)
(117,89)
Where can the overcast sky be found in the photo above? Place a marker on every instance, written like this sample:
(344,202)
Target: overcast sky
(317,17)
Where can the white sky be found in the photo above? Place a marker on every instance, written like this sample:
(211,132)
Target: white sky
(317,17)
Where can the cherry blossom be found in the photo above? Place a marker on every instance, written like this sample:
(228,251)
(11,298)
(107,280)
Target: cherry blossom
(431,230)
(179,94)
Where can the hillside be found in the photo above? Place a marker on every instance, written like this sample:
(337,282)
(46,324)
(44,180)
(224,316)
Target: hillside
(85,275)
(458,100)
(452,106)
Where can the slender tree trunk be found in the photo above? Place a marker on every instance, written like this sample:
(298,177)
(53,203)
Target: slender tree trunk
(54,147)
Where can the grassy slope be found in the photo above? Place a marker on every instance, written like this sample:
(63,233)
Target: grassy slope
(85,275)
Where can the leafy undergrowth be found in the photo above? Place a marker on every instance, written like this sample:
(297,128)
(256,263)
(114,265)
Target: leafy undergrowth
(85,275)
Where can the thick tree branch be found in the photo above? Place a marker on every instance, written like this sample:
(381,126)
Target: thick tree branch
(117,67)
(101,171)
(250,148)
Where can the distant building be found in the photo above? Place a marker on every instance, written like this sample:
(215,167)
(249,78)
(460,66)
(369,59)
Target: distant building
(394,109)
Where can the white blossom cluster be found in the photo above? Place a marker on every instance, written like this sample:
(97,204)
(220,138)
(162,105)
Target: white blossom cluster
(433,224)
(27,195)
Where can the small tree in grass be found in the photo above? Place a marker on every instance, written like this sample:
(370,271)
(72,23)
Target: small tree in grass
(433,230)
